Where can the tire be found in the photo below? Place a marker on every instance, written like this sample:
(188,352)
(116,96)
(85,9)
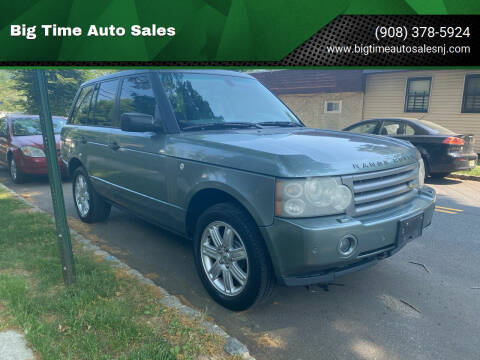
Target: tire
(16,175)
(90,206)
(246,261)
(439,175)
(427,167)
(65,176)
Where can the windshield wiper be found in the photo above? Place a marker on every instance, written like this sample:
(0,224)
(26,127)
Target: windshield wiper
(280,123)
(224,125)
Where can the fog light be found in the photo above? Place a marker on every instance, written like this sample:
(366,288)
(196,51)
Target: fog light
(347,245)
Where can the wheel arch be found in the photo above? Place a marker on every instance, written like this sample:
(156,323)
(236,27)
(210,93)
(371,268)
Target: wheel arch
(13,153)
(426,158)
(209,195)
(73,164)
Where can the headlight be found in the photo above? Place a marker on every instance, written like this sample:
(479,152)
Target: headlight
(421,173)
(311,197)
(32,151)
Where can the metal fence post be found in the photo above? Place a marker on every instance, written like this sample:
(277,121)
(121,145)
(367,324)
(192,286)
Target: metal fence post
(63,232)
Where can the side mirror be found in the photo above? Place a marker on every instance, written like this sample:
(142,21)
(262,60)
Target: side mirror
(138,122)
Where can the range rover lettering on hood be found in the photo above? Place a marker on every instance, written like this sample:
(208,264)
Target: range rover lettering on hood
(396,159)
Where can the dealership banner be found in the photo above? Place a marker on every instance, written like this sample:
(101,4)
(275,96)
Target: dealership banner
(240,33)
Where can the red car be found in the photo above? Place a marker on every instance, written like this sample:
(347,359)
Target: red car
(21,145)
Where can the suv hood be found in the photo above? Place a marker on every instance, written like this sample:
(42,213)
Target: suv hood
(299,152)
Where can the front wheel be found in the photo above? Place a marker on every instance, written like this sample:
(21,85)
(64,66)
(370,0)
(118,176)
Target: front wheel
(15,173)
(90,206)
(231,258)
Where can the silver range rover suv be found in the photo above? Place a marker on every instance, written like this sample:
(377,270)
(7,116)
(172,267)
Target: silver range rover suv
(215,157)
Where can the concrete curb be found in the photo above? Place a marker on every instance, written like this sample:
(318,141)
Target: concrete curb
(464,177)
(232,346)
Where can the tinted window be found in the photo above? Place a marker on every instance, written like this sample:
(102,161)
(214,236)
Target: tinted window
(367,128)
(82,107)
(471,94)
(104,105)
(31,126)
(3,127)
(409,130)
(334,106)
(137,96)
(199,99)
(418,95)
(391,128)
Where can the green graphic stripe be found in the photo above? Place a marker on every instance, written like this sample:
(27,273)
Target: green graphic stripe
(206,30)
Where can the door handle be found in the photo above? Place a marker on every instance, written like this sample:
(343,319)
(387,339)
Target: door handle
(83,139)
(114,146)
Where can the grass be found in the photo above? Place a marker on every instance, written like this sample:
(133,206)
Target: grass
(105,315)
(474,172)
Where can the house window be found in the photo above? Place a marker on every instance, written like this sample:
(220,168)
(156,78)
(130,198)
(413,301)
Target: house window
(471,94)
(418,94)
(333,106)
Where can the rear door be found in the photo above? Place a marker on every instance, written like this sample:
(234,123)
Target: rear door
(74,135)
(89,135)
(102,119)
(391,128)
(427,144)
(413,133)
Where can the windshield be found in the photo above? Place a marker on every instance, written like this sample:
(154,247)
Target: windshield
(31,126)
(435,127)
(203,99)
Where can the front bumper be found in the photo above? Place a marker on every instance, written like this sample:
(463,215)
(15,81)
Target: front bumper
(36,166)
(305,251)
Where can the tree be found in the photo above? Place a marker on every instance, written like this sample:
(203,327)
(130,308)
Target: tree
(187,103)
(95,73)
(62,86)
(17,89)
(9,98)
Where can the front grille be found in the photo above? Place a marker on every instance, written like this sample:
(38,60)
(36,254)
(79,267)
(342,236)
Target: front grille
(380,190)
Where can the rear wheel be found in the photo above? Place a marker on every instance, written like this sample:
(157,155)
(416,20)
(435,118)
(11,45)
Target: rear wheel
(16,174)
(90,206)
(427,166)
(439,175)
(231,258)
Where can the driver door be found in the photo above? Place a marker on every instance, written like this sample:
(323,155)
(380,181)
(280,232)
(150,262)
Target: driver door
(140,176)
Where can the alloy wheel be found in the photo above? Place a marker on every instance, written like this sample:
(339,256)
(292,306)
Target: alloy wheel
(224,258)
(82,197)
(13,169)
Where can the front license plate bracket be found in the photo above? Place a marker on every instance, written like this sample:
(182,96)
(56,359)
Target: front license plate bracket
(410,229)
